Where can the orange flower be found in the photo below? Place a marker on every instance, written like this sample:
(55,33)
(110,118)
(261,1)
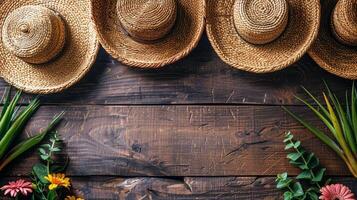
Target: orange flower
(57,180)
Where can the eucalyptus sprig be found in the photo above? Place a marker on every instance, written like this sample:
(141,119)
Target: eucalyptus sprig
(48,151)
(48,166)
(312,175)
(341,122)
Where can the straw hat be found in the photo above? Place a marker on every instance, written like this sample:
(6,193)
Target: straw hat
(335,48)
(47,45)
(149,33)
(262,35)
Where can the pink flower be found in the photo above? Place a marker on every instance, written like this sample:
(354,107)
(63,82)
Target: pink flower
(336,192)
(14,187)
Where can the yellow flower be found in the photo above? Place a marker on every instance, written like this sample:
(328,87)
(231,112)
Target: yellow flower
(57,180)
(73,198)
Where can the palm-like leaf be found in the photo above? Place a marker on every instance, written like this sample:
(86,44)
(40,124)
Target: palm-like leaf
(341,123)
(12,123)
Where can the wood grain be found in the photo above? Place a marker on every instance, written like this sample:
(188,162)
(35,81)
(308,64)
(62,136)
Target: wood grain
(199,188)
(201,78)
(179,140)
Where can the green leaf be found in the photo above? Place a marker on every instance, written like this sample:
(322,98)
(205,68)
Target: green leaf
(293,156)
(29,143)
(323,118)
(283,183)
(313,163)
(17,127)
(324,110)
(284,175)
(40,171)
(296,163)
(297,144)
(288,195)
(347,131)
(312,196)
(319,175)
(20,149)
(339,134)
(52,195)
(318,133)
(289,146)
(309,157)
(298,191)
(288,137)
(6,100)
(47,146)
(7,113)
(44,157)
(354,111)
(56,149)
(42,151)
(304,175)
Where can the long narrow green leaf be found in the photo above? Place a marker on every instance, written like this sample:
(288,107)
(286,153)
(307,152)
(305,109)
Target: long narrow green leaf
(347,131)
(324,110)
(354,111)
(17,126)
(339,134)
(6,118)
(334,120)
(318,133)
(6,99)
(319,115)
(29,143)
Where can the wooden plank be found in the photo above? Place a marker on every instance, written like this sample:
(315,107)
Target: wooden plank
(204,188)
(202,78)
(179,140)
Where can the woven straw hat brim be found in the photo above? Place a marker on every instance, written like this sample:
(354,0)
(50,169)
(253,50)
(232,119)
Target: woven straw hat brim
(301,31)
(330,54)
(69,66)
(178,43)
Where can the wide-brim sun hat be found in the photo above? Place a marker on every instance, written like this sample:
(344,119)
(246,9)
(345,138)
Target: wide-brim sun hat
(335,49)
(149,33)
(262,35)
(47,45)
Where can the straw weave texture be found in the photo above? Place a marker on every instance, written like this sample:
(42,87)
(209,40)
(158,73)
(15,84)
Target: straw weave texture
(70,64)
(300,32)
(147,20)
(260,22)
(328,51)
(176,44)
(344,22)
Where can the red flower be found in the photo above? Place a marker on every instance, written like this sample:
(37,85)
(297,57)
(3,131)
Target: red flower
(336,192)
(14,187)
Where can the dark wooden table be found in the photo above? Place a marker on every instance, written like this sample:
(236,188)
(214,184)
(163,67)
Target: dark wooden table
(197,129)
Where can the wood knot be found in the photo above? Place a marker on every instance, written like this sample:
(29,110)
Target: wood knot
(35,34)
(344,22)
(260,21)
(147,19)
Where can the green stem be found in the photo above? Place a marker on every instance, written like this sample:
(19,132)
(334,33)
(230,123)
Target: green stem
(50,156)
(292,191)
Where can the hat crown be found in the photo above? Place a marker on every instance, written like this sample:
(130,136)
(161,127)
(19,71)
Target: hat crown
(147,19)
(35,34)
(260,21)
(344,22)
